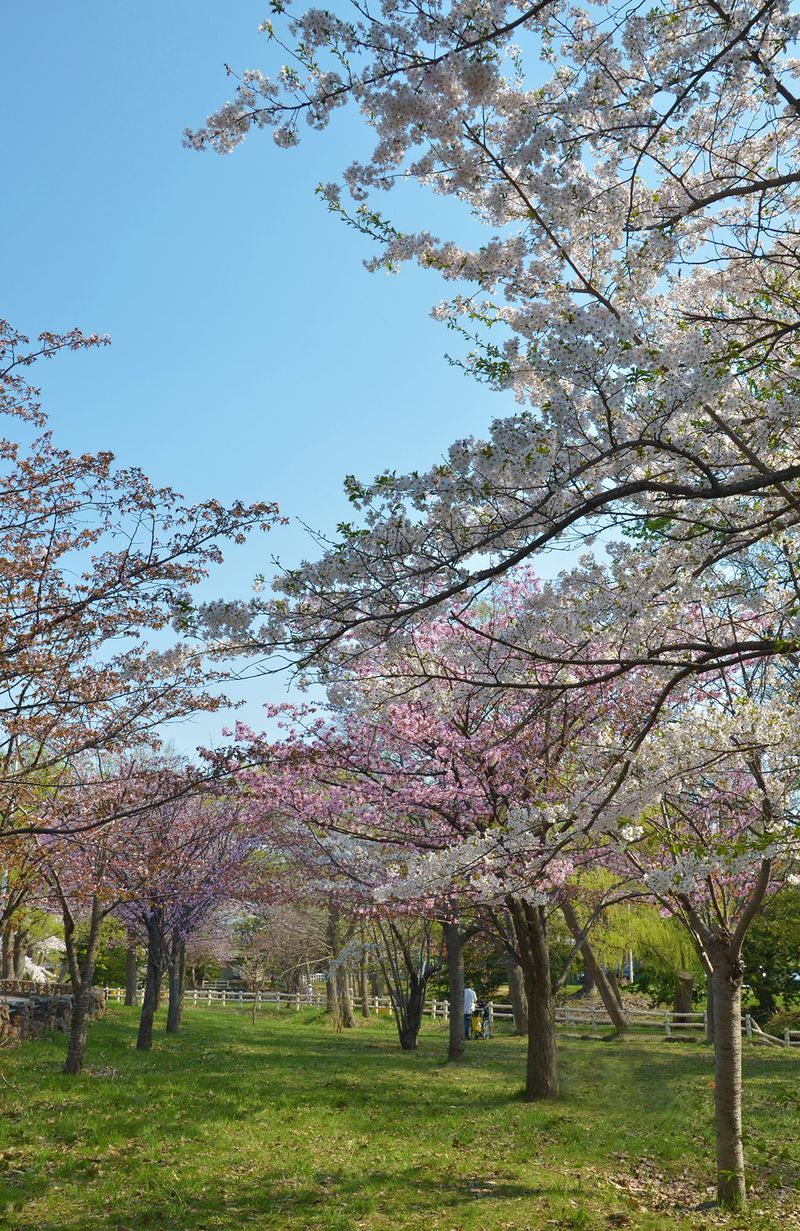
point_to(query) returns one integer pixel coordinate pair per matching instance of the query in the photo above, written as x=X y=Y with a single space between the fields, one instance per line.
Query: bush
x=782 y=1020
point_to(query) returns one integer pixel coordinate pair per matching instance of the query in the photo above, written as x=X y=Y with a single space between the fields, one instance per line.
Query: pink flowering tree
x=477 y=800
x=189 y=856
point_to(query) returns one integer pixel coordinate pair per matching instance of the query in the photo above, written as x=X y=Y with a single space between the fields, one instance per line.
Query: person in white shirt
x=470 y=1000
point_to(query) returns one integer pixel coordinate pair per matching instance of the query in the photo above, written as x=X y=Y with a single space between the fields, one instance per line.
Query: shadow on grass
x=335 y=1200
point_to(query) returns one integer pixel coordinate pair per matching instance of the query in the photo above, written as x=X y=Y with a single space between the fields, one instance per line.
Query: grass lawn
x=287 y=1125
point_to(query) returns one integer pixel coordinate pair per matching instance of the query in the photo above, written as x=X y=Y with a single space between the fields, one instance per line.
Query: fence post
x=194 y=996
x=748 y=1025
x=433 y=1010
x=297 y=1002
x=209 y=998
x=666 y=1024
x=787 y=1037
x=223 y=997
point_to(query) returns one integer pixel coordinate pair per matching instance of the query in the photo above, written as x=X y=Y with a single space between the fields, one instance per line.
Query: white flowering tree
x=716 y=793
x=624 y=188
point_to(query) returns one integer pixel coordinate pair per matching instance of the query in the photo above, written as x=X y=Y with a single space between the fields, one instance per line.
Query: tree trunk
x=684 y=990
x=530 y=926
x=454 y=942
x=332 y=998
x=18 y=951
x=364 y=977
x=727 y=985
x=82 y=978
x=332 y=1004
x=409 y=1020
x=709 y=1009
x=614 y=985
x=516 y=991
x=611 y=1003
x=176 y=972
x=152 y=985
x=131 y=974
x=345 y=998
x=5 y=953
x=76 y=1044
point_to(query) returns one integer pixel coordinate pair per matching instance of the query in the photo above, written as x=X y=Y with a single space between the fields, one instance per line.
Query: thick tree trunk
x=152 y=985
x=684 y=990
x=530 y=926
x=454 y=942
x=76 y=1044
x=611 y=1003
x=131 y=974
x=727 y=985
x=176 y=973
x=710 y=1033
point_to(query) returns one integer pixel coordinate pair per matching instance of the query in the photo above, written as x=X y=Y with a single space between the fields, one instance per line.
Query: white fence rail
x=566 y=1015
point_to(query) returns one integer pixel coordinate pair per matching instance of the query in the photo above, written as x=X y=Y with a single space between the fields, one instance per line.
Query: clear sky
x=252 y=355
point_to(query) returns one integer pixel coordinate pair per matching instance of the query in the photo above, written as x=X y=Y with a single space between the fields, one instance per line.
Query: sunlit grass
x=288 y=1125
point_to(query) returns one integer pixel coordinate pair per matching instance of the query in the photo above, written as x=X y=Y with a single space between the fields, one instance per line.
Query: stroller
x=481 y=1021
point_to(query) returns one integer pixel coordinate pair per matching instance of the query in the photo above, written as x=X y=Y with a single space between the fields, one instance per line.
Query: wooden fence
x=671 y=1024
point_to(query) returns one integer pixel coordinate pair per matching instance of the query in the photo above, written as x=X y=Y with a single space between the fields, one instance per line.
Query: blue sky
x=252 y=355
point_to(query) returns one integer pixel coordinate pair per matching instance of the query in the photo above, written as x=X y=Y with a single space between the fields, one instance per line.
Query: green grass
x=287 y=1125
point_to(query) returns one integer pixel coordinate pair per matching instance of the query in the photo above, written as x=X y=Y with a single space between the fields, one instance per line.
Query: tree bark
x=454 y=942
x=364 y=989
x=152 y=986
x=410 y=1021
x=516 y=991
x=611 y=1002
x=76 y=1044
x=710 y=1033
x=614 y=985
x=530 y=927
x=176 y=973
x=345 y=998
x=18 y=950
x=131 y=974
x=81 y=978
x=684 y=990
x=332 y=1000
x=727 y=984
x=5 y=953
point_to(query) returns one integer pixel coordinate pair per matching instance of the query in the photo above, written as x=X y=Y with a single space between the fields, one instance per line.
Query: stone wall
x=31 y=1015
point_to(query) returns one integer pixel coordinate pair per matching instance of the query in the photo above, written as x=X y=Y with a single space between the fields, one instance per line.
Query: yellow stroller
x=481 y=1021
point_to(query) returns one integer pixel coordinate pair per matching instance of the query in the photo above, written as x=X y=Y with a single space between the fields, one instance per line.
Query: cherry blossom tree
x=632 y=283
x=478 y=799
x=97 y=564
x=187 y=859
x=712 y=832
